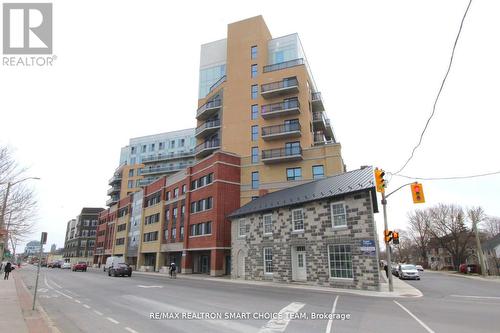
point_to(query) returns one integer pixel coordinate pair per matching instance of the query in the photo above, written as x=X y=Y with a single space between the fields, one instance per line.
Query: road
x=93 y=302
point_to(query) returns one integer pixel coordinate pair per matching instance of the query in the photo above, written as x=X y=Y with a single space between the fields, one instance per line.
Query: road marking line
x=415 y=317
x=112 y=320
x=330 y=321
x=77 y=301
x=45 y=281
x=485 y=297
x=58 y=286
x=141 y=286
x=130 y=330
x=97 y=312
x=86 y=306
x=57 y=291
x=283 y=319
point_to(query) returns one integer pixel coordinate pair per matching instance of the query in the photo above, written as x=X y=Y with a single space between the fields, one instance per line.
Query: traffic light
x=387 y=236
x=395 y=237
x=379 y=179
x=417 y=193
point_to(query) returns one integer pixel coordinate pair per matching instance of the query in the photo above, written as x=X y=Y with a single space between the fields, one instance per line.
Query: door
x=299 y=267
x=205 y=264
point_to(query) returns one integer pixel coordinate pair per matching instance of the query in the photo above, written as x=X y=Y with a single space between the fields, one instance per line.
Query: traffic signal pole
x=387 y=245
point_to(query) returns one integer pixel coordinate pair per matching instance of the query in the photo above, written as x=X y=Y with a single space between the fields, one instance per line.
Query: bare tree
x=405 y=249
x=419 y=223
x=491 y=226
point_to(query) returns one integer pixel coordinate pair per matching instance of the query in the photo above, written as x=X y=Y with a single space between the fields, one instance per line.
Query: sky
x=130 y=68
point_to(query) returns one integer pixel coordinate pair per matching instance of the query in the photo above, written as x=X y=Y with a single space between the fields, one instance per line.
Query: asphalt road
x=93 y=302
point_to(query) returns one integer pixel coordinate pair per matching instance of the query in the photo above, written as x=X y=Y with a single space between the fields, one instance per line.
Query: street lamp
x=3 y=237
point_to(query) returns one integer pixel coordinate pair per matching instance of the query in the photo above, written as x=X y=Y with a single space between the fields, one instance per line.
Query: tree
x=419 y=223
x=491 y=226
x=404 y=251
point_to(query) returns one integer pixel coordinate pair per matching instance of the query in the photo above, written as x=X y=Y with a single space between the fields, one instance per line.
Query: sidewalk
x=477 y=277
x=401 y=288
x=16 y=309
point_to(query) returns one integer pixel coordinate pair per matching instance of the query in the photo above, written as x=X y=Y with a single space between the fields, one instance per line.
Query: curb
x=475 y=277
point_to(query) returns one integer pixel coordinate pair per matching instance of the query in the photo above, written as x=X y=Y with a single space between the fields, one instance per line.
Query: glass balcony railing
x=290 y=106
x=286 y=83
x=283 y=65
x=281 y=130
x=217 y=83
x=162 y=157
x=209 y=108
x=163 y=169
x=207 y=146
x=317 y=102
x=213 y=124
x=282 y=154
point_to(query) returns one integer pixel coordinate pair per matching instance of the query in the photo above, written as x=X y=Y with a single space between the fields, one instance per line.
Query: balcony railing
x=171 y=156
x=217 y=83
x=115 y=178
x=206 y=147
x=317 y=102
x=209 y=108
x=111 y=201
x=281 y=131
x=207 y=127
x=145 y=182
x=288 y=107
x=114 y=189
x=282 y=154
x=283 y=65
x=285 y=86
x=164 y=169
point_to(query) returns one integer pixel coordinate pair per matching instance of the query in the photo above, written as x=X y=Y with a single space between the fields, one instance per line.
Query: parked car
x=407 y=271
x=394 y=269
x=66 y=265
x=470 y=268
x=420 y=268
x=120 y=269
x=113 y=260
x=80 y=266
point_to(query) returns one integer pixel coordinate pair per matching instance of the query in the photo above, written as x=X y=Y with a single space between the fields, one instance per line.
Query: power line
x=450 y=178
x=439 y=92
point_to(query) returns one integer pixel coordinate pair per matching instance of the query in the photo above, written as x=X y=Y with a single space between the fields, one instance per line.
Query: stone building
x=322 y=232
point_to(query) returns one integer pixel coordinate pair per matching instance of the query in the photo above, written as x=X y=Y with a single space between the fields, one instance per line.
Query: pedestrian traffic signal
x=379 y=180
x=387 y=236
x=417 y=193
x=395 y=237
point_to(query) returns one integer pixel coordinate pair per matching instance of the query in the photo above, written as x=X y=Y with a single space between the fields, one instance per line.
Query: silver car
x=406 y=271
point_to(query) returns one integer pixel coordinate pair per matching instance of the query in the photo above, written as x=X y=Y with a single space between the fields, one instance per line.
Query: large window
x=255 y=111
x=253 y=52
x=150 y=236
x=318 y=171
x=268 y=224
x=254 y=70
x=242 y=228
x=293 y=173
x=255 y=180
x=340 y=261
x=199 y=229
x=201 y=205
x=255 y=132
x=255 y=91
x=297 y=220
x=255 y=154
x=155 y=218
x=339 y=218
x=268 y=260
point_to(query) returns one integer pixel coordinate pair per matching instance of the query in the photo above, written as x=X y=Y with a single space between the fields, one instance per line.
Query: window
x=297 y=220
x=268 y=224
x=183 y=210
x=167 y=214
x=132 y=160
x=131 y=173
x=130 y=184
x=201 y=205
x=255 y=111
x=172 y=144
x=254 y=197
x=167 y=196
x=255 y=180
x=340 y=261
x=200 y=229
x=253 y=52
x=338 y=215
x=150 y=236
x=242 y=228
x=86 y=223
x=176 y=192
x=318 y=171
x=121 y=227
x=293 y=173
x=292 y=148
x=152 y=219
x=255 y=132
x=182 y=232
x=160 y=146
x=181 y=142
x=255 y=91
x=143 y=149
x=268 y=260
x=253 y=70
x=174 y=213
x=132 y=150
x=174 y=233
x=184 y=189
x=255 y=154
x=152 y=147
x=120 y=241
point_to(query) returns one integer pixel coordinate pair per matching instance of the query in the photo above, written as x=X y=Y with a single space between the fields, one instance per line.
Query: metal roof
x=338 y=185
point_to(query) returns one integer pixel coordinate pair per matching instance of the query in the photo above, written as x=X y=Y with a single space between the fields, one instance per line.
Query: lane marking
x=141 y=286
x=86 y=306
x=55 y=284
x=130 y=330
x=67 y=296
x=77 y=301
x=415 y=317
x=98 y=313
x=279 y=325
x=480 y=297
x=45 y=281
x=112 y=320
x=330 y=321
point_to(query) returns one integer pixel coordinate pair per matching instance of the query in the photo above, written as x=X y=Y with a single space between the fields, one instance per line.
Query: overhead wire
x=451 y=178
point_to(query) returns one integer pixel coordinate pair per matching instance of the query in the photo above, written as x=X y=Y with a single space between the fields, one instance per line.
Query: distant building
x=491 y=252
x=32 y=247
x=53 y=248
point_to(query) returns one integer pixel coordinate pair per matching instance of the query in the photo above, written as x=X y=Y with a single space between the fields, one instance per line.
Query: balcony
x=283 y=65
x=111 y=201
x=207 y=128
x=205 y=148
x=115 y=179
x=163 y=169
x=208 y=109
x=317 y=102
x=166 y=157
x=279 y=155
x=145 y=182
x=283 y=87
x=319 y=121
x=286 y=108
x=113 y=190
x=284 y=131
x=217 y=84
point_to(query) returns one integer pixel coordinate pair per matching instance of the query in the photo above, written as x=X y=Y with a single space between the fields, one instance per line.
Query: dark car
x=80 y=266
x=120 y=269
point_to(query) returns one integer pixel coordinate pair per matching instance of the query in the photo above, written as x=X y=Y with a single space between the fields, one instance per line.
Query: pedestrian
x=173 y=270
x=7 y=269
x=386 y=269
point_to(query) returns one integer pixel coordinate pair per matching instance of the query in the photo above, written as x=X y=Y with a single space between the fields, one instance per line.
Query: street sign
x=44 y=238
x=368 y=247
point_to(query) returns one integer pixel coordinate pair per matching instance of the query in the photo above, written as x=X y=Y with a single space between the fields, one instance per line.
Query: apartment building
x=81 y=236
x=105 y=238
x=258 y=99
x=184 y=217
x=148 y=158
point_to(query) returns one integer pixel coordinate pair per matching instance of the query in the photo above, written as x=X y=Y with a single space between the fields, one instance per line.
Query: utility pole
x=479 y=250
x=387 y=244
x=43 y=239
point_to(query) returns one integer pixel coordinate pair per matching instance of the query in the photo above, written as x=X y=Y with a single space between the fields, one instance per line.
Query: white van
x=113 y=260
